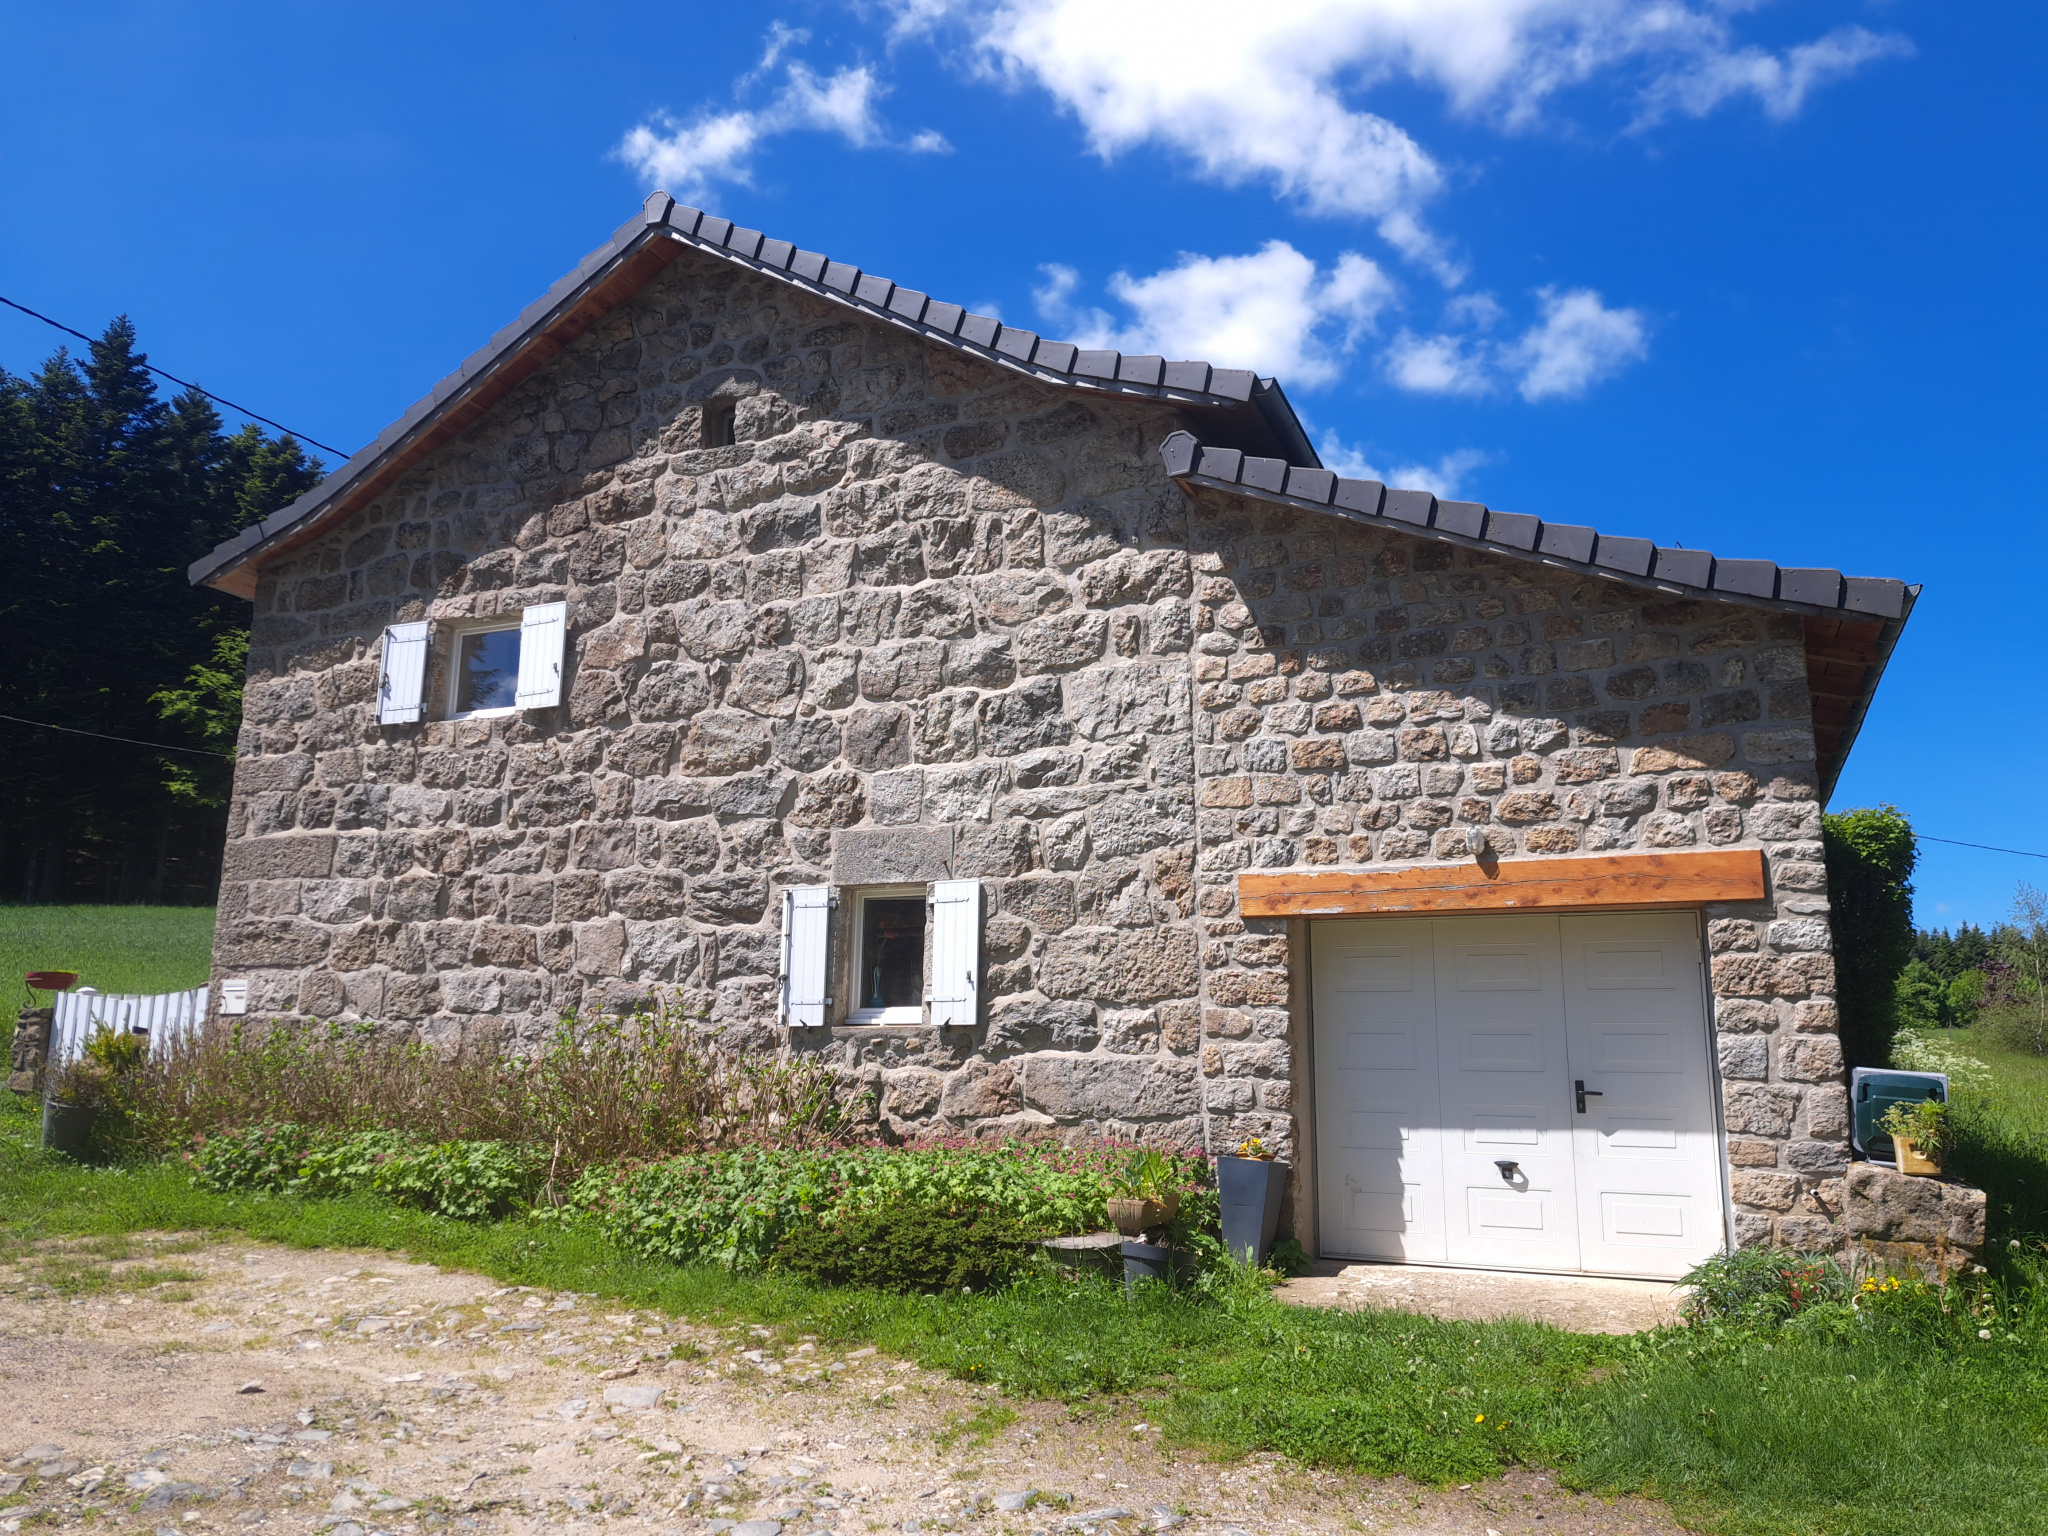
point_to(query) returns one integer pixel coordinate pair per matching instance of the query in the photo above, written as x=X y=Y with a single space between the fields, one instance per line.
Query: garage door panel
x=1648 y=1219
x=1496 y=1048
x=1649 y=1158
x=1534 y=1221
x=1381 y=1189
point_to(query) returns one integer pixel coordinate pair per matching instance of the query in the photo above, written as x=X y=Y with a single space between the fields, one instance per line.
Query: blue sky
x=1761 y=278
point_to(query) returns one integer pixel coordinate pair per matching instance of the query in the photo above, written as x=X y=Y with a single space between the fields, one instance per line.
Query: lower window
x=889 y=956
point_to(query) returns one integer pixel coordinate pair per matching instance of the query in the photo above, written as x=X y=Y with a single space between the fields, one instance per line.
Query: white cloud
x=1577 y=343
x=688 y=156
x=1273 y=310
x=1780 y=85
x=1268 y=92
x=1445 y=478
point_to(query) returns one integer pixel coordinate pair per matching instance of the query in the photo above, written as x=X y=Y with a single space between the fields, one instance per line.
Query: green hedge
x=1870 y=854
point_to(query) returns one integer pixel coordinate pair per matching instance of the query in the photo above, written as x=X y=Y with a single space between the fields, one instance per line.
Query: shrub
x=595 y=1092
x=468 y=1180
x=736 y=1208
x=1870 y=859
x=912 y=1248
x=1761 y=1286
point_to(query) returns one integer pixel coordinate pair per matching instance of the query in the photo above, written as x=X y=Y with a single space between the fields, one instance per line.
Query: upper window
x=486 y=671
x=889 y=956
x=718 y=423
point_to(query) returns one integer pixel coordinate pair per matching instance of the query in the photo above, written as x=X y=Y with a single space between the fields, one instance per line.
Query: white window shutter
x=542 y=631
x=402 y=676
x=956 y=953
x=806 y=923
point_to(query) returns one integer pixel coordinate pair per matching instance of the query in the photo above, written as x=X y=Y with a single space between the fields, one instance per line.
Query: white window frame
x=514 y=623
x=855 y=904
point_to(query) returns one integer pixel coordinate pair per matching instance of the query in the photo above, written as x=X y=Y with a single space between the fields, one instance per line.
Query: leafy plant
x=912 y=1248
x=1924 y=1122
x=1763 y=1286
x=467 y=1180
x=1147 y=1175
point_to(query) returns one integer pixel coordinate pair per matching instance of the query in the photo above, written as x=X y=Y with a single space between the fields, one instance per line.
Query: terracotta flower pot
x=1132 y=1216
x=1912 y=1160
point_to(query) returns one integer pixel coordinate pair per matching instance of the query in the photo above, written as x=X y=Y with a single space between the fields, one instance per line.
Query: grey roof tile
x=1517 y=530
x=1096 y=365
x=1234 y=383
x=1220 y=463
x=840 y=276
x=1265 y=474
x=944 y=318
x=1141 y=370
x=1820 y=587
x=684 y=219
x=1311 y=484
x=714 y=229
x=874 y=290
x=1012 y=342
x=1179 y=451
x=1409 y=507
x=979 y=329
x=1751 y=578
x=1461 y=517
x=1687 y=567
x=1568 y=541
x=809 y=266
x=746 y=242
x=909 y=303
x=1633 y=557
x=1359 y=496
x=775 y=255
x=1879 y=596
x=1187 y=375
x=1056 y=355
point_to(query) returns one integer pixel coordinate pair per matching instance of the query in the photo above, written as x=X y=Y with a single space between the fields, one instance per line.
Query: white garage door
x=1516 y=1092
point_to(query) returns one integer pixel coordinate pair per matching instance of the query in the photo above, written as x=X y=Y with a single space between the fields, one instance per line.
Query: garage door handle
x=1583 y=1091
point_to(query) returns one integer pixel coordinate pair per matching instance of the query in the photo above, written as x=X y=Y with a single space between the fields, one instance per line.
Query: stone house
x=1047 y=738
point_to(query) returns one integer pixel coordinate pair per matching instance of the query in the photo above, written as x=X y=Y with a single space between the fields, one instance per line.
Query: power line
x=1987 y=847
x=129 y=740
x=240 y=410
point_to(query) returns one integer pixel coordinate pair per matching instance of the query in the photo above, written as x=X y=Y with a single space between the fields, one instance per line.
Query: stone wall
x=1366 y=698
x=927 y=620
x=923 y=620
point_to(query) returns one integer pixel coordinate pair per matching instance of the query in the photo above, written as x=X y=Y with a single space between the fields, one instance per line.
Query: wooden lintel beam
x=1576 y=884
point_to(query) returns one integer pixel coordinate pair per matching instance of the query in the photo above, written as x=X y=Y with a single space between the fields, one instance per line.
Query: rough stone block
x=1083 y=1087
x=279 y=858
x=892 y=855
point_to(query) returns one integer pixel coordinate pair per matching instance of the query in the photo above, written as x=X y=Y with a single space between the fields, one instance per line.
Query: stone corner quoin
x=926 y=619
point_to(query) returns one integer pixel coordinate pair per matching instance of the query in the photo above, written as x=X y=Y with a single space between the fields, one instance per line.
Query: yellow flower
x=1478 y=1418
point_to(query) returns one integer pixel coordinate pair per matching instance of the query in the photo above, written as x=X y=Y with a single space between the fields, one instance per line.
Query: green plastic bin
x=1873 y=1090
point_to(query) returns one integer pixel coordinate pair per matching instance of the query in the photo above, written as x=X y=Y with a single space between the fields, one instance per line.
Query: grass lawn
x=114 y=949
x=1781 y=1435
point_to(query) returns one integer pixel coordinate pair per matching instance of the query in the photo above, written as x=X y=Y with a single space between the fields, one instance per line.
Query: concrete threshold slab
x=1578 y=1303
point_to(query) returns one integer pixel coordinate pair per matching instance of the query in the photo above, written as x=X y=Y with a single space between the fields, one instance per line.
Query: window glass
x=487 y=671
x=892 y=952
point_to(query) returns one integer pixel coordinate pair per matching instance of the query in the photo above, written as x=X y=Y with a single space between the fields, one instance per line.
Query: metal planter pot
x=67 y=1128
x=1152 y=1261
x=1250 y=1189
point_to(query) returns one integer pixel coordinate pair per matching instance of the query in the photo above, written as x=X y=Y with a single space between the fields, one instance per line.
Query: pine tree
x=107 y=494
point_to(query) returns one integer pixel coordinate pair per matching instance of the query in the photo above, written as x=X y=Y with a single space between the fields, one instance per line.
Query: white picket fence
x=163 y=1016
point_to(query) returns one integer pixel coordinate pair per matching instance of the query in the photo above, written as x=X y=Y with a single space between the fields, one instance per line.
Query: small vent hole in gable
x=717 y=429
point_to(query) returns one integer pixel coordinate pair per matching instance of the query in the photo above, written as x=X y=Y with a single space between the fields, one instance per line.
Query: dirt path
x=161 y=1386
